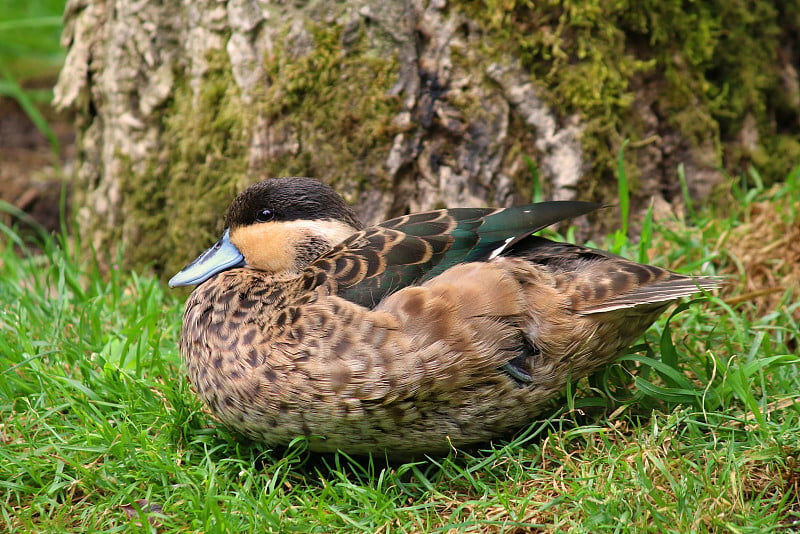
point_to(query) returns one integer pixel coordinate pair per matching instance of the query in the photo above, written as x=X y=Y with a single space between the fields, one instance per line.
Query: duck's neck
x=315 y=238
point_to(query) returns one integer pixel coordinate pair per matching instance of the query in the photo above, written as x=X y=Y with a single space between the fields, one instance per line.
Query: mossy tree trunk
x=406 y=105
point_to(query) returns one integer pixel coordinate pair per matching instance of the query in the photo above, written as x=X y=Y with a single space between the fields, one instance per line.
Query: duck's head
x=278 y=225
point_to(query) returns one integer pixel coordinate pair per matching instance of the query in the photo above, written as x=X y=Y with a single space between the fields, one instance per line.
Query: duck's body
x=426 y=332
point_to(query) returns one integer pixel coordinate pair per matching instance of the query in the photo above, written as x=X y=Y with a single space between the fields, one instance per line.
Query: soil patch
x=31 y=175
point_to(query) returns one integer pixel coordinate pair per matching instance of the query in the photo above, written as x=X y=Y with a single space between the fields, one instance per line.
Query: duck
x=425 y=333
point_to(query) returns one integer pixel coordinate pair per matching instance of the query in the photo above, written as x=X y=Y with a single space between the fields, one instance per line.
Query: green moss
x=777 y=155
x=335 y=103
x=720 y=60
x=712 y=62
x=202 y=162
x=335 y=133
x=577 y=53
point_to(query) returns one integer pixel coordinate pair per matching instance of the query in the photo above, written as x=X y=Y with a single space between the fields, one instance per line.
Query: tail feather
x=663 y=291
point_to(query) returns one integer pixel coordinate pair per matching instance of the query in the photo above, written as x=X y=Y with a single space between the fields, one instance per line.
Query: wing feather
x=411 y=249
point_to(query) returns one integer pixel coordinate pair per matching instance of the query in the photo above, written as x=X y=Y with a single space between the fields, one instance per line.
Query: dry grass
x=659 y=480
x=764 y=254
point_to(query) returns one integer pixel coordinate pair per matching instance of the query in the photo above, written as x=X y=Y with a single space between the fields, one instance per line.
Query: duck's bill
x=223 y=255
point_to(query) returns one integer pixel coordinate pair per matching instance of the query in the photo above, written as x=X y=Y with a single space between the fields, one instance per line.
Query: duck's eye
x=265 y=215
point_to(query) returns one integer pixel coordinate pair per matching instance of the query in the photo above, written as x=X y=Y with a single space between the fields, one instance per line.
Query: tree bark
x=403 y=105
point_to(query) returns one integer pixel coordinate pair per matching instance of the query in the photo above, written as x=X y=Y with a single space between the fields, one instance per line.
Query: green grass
x=30 y=51
x=696 y=430
x=30 y=38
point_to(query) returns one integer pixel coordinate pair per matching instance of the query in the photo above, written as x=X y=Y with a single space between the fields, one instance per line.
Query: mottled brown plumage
x=429 y=331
